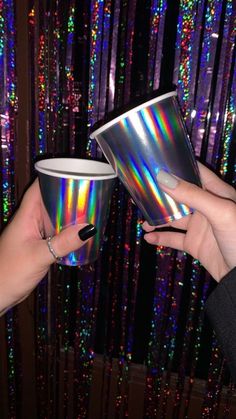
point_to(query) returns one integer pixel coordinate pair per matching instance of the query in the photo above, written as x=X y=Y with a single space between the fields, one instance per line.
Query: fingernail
x=87 y=232
x=166 y=179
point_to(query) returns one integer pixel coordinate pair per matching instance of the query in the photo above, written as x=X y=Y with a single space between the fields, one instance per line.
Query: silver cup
x=76 y=191
x=144 y=140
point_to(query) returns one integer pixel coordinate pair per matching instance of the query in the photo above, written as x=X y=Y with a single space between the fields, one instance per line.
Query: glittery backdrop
x=137 y=304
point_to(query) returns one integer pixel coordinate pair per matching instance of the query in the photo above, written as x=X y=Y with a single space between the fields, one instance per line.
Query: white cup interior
x=129 y=113
x=75 y=168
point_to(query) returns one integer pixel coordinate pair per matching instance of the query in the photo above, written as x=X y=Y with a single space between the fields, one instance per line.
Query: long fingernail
x=166 y=179
x=87 y=232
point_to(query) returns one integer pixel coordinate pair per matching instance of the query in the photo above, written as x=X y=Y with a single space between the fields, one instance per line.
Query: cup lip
x=128 y=113
x=106 y=171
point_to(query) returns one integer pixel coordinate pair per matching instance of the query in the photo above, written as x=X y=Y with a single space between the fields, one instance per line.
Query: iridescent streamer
x=11 y=78
x=2 y=54
x=184 y=73
x=188 y=42
x=157 y=23
x=42 y=81
x=174 y=296
x=38 y=144
x=217 y=113
x=70 y=39
x=122 y=97
x=228 y=400
x=52 y=74
x=9 y=102
x=190 y=84
x=105 y=52
x=134 y=285
x=114 y=42
x=123 y=368
x=111 y=302
x=122 y=93
x=97 y=10
x=124 y=60
x=8 y=108
x=129 y=48
x=207 y=59
x=41 y=348
x=121 y=55
x=11 y=381
x=64 y=331
x=158 y=346
x=71 y=90
x=117 y=273
x=191 y=335
x=233 y=95
x=39 y=19
x=214 y=382
x=185 y=57
x=114 y=223
x=128 y=309
x=32 y=43
x=84 y=353
x=229 y=120
x=40 y=331
x=184 y=62
x=200 y=296
x=128 y=36
x=54 y=87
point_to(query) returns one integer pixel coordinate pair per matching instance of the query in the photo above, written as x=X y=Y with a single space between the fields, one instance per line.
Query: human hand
x=209 y=234
x=24 y=255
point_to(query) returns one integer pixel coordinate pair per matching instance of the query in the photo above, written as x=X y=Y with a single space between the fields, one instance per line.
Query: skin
x=209 y=234
x=24 y=255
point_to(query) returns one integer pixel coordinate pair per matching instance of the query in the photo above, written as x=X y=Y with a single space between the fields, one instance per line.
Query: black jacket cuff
x=221 y=311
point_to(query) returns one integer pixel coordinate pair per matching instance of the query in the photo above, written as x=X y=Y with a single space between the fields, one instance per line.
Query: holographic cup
x=76 y=191
x=144 y=140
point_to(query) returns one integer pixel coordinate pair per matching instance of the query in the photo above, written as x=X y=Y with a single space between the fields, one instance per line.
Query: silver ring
x=51 y=250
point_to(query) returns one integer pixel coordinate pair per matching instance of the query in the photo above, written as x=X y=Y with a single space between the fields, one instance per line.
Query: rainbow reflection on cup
x=144 y=140
x=76 y=191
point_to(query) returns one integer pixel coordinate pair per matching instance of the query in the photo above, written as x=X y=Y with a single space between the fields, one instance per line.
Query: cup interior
x=75 y=168
x=129 y=113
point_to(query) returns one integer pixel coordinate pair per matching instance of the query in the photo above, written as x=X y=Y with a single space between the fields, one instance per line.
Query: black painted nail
x=87 y=232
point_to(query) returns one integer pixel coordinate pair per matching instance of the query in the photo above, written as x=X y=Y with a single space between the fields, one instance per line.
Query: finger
x=181 y=224
x=32 y=196
x=168 y=239
x=214 y=184
x=147 y=227
x=68 y=240
x=31 y=208
x=211 y=206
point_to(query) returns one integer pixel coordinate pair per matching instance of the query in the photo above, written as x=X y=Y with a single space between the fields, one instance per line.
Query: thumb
x=68 y=240
x=208 y=204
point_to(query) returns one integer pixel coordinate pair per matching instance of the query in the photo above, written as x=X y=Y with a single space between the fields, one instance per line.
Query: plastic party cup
x=76 y=191
x=144 y=140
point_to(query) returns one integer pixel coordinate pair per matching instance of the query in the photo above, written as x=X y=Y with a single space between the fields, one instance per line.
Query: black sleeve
x=221 y=311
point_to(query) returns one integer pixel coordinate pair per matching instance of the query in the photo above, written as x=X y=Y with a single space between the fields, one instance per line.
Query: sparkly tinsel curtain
x=137 y=306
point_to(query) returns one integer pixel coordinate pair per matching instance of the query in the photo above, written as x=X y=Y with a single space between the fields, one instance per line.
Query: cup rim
x=128 y=113
x=91 y=169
